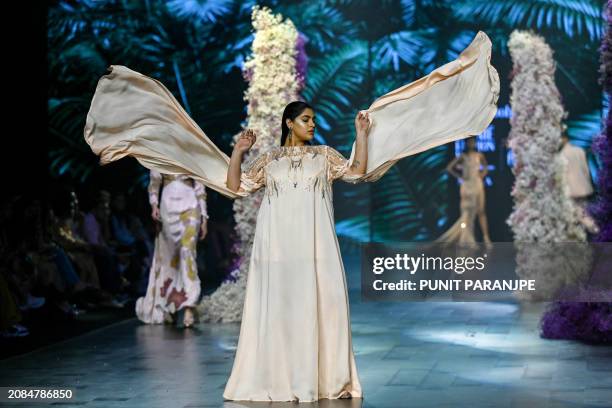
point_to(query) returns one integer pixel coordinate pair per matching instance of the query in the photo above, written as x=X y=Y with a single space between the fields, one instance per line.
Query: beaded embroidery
x=334 y=167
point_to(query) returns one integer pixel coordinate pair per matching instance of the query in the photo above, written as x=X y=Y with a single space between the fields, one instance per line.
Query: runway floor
x=408 y=355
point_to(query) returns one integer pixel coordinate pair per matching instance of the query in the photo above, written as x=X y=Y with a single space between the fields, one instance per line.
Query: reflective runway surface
x=408 y=355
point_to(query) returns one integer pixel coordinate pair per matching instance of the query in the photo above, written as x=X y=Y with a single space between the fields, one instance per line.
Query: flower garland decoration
x=273 y=82
x=543 y=213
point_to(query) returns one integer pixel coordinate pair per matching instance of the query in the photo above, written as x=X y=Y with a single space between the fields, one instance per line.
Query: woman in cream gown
x=174 y=284
x=473 y=167
x=295 y=338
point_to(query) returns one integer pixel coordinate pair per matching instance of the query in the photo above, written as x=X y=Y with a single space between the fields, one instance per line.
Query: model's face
x=303 y=126
x=471 y=144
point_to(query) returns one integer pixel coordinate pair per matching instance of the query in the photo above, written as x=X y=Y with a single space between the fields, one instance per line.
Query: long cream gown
x=295 y=338
x=472 y=202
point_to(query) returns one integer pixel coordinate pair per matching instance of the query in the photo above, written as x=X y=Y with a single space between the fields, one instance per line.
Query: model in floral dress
x=174 y=284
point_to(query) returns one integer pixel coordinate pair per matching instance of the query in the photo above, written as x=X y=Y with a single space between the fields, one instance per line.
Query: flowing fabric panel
x=134 y=115
x=456 y=100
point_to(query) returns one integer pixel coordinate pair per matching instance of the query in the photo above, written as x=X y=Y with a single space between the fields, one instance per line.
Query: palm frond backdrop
x=357 y=50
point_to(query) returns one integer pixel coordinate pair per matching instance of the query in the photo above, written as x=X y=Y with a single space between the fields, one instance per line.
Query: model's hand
x=246 y=141
x=362 y=123
x=203 y=229
x=155 y=213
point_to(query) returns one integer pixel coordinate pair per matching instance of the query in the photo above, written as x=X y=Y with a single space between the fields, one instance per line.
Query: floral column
x=273 y=82
x=543 y=214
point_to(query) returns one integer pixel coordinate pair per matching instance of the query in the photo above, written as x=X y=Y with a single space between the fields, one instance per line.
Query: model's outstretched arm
x=360 y=161
x=247 y=139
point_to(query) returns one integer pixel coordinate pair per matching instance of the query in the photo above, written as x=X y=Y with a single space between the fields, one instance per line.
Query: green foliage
x=570 y=17
x=357 y=50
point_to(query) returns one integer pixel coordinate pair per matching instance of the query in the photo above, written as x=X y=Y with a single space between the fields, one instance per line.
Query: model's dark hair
x=465 y=146
x=292 y=111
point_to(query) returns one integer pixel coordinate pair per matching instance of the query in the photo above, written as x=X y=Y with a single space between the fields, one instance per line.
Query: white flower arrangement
x=273 y=83
x=543 y=213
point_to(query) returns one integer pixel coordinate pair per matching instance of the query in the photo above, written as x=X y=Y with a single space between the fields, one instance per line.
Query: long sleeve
x=338 y=166
x=200 y=191
x=253 y=178
x=155 y=181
